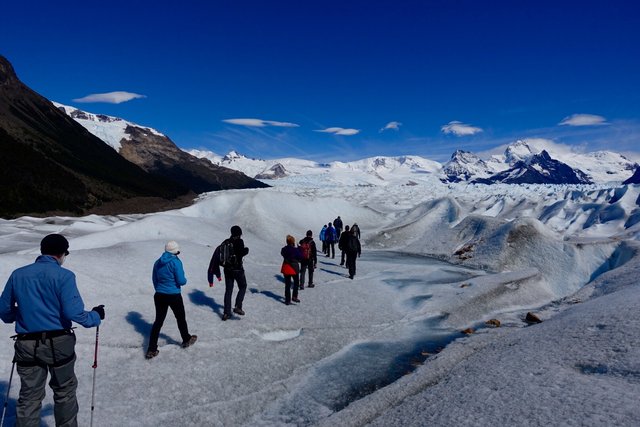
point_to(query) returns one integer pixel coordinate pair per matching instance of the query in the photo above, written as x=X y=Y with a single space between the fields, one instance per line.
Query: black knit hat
x=236 y=231
x=54 y=244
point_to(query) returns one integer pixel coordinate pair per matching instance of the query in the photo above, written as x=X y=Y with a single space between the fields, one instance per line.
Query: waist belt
x=44 y=335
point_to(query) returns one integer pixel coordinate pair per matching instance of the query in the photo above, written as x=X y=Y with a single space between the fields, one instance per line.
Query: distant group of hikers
x=298 y=260
x=43 y=300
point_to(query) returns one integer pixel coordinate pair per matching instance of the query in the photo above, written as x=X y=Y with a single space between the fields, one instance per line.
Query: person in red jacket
x=290 y=269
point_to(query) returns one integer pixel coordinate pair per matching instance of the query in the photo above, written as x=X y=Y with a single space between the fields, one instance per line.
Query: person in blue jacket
x=168 y=277
x=43 y=300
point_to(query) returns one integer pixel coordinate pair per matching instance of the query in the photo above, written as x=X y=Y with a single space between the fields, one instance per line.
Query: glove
x=100 y=310
x=219 y=278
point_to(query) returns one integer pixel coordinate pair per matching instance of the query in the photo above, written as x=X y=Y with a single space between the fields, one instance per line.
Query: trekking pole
x=95 y=365
x=6 y=399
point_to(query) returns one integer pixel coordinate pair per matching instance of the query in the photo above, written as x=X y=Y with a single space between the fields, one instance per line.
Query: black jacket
x=214 y=265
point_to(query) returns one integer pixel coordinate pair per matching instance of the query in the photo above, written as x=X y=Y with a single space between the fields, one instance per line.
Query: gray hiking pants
x=35 y=358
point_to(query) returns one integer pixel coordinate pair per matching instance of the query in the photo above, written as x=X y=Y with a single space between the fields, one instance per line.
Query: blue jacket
x=168 y=274
x=330 y=236
x=43 y=296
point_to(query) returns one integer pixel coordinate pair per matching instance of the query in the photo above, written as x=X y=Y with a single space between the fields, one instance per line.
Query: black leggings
x=163 y=302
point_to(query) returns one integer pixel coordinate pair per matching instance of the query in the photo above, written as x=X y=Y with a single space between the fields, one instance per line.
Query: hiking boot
x=226 y=316
x=191 y=341
x=295 y=300
x=351 y=276
x=151 y=354
x=301 y=287
x=238 y=311
x=311 y=285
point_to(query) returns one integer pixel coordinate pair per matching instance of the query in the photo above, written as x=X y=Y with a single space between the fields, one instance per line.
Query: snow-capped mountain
x=514 y=165
x=158 y=154
x=465 y=166
x=538 y=169
x=600 y=166
x=253 y=167
x=277 y=168
x=112 y=130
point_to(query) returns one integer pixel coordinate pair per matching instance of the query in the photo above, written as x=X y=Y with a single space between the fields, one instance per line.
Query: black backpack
x=227 y=254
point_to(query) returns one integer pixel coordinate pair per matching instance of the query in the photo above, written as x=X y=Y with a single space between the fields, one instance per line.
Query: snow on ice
x=385 y=348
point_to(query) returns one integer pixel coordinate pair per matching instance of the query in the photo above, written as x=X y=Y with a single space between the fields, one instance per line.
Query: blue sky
x=336 y=80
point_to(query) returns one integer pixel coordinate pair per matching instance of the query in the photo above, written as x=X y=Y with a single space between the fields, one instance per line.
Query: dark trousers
x=287 y=287
x=305 y=265
x=331 y=249
x=229 y=277
x=342 y=258
x=324 y=247
x=163 y=302
x=36 y=358
x=351 y=262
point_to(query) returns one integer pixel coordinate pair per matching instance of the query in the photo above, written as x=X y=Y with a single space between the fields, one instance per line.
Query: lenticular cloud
x=460 y=129
x=260 y=123
x=583 y=120
x=117 y=97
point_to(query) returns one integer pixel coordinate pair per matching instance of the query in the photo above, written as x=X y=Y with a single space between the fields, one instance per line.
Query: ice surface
x=384 y=348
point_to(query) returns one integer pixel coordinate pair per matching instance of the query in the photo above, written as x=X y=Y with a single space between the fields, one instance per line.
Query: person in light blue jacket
x=43 y=300
x=168 y=277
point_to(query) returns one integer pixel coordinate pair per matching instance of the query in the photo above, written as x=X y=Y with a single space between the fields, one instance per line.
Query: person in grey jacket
x=43 y=299
x=168 y=277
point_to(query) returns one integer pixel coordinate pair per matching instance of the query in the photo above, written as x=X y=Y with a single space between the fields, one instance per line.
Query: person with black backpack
x=229 y=255
x=337 y=224
x=342 y=242
x=309 y=258
x=353 y=249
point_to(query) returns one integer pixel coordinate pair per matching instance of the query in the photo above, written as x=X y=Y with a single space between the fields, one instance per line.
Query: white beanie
x=172 y=247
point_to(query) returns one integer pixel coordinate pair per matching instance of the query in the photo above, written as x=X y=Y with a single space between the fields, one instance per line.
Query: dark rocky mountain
x=538 y=169
x=50 y=164
x=276 y=171
x=635 y=178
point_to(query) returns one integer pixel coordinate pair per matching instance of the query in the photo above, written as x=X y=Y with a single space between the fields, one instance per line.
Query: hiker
x=337 y=224
x=331 y=239
x=43 y=299
x=168 y=277
x=233 y=270
x=290 y=269
x=322 y=236
x=356 y=230
x=309 y=258
x=342 y=243
x=353 y=249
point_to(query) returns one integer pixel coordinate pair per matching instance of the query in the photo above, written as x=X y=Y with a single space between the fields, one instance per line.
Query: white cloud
x=391 y=125
x=339 y=131
x=583 y=120
x=117 y=97
x=460 y=129
x=260 y=123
